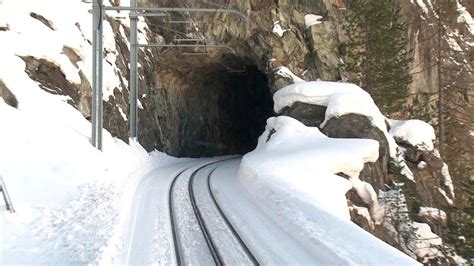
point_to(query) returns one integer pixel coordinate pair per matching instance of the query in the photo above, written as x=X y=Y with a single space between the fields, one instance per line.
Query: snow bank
x=292 y=177
x=416 y=132
x=68 y=196
x=304 y=162
x=65 y=192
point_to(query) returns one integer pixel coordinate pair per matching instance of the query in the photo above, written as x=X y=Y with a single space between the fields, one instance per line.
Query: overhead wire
x=170 y=29
x=217 y=6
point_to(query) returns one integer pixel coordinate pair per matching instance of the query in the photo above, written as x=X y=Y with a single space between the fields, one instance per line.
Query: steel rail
x=229 y=225
x=179 y=260
x=211 y=245
x=173 y=224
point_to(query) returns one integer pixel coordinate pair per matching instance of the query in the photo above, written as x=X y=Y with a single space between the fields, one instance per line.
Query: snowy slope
x=68 y=196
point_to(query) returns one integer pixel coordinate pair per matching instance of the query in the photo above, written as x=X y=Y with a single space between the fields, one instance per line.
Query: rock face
x=359 y=126
x=7 y=95
x=52 y=80
x=347 y=126
x=309 y=115
x=192 y=81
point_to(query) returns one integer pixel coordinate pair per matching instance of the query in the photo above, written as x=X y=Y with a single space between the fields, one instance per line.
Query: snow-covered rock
x=415 y=132
x=340 y=99
x=278 y=29
x=433 y=214
x=312 y=19
x=305 y=159
x=286 y=73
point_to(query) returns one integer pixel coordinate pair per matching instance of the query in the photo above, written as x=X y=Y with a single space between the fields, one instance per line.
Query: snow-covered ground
x=69 y=198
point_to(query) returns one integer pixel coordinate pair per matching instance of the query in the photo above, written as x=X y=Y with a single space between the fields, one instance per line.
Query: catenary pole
x=97 y=55
x=133 y=71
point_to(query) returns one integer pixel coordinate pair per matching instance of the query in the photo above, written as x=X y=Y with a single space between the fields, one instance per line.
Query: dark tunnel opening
x=247 y=102
x=229 y=103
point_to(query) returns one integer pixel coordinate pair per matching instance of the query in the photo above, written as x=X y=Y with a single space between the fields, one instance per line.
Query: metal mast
x=97 y=55
x=133 y=71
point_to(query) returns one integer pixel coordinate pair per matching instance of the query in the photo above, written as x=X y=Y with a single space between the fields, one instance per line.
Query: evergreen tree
x=377 y=57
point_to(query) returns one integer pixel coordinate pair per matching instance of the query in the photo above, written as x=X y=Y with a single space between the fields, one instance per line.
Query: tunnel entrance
x=228 y=102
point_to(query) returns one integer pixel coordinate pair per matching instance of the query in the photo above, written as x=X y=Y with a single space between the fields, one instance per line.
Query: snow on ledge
x=465 y=16
x=277 y=29
x=286 y=73
x=416 y=132
x=312 y=19
x=434 y=213
x=422 y=5
x=339 y=98
x=307 y=162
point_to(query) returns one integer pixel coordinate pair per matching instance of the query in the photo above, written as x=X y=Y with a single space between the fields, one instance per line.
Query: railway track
x=201 y=231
